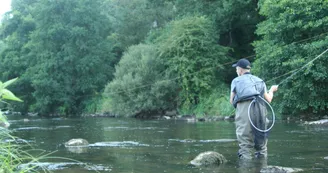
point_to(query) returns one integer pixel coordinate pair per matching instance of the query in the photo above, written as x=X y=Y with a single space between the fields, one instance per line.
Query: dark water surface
x=153 y=146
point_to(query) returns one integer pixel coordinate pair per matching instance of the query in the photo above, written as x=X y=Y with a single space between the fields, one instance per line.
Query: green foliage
x=215 y=103
x=64 y=52
x=5 y=94
x=11 y=155
x=190 y=50
x=235 y=20
x=72 y=55
x=141 y=84
x=291 y=37
x=133 y=19
x=15 y=30
x=93 y=105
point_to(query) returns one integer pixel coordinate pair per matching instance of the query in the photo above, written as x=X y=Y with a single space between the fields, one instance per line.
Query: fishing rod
x=289 y=77
x=298 y=70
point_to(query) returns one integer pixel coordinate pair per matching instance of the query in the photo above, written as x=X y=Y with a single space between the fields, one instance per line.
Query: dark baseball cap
x=243 y=63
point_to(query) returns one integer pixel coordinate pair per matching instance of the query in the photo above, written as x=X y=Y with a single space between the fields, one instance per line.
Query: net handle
x=273 y=116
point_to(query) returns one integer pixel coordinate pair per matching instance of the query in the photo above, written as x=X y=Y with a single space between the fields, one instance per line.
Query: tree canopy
x=138 y=56
x=293 y=34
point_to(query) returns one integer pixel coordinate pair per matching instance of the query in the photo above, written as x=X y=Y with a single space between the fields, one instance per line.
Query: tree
x=290 y=38
x=14 y=32
x=72 y=54
x=190 y=49
x=141 y=85
x=234 y=19
x=133 y=19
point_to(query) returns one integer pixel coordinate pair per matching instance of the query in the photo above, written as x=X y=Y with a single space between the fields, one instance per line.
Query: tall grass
x=13 y=154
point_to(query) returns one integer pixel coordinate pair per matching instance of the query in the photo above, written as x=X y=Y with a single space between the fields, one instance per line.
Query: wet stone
x=208 y=158
x=279 y=169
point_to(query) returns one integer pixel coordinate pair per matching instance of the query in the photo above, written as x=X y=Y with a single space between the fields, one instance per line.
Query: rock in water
x=208 y=158
x=319 y=122
x=279 y=169
x=79 y=142
x=77 y=145
x=4 y=124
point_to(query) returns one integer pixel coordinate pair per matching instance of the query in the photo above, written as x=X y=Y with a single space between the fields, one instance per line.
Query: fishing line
x=176 y=78
x=227 y=63
x=303 y=67
x=295 y=71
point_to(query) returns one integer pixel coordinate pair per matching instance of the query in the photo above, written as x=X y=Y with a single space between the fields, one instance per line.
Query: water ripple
x=40 y=128
x=118 y=144
x=65 y=165
x=202 y=141
x=135 y=128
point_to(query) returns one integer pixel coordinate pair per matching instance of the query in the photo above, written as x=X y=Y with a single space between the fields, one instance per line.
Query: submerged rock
x=77 y=150
x=4 y=124
x=319 y=122
x=208 y=158
x=78 y=145
x=79 y=142
x=279 y=169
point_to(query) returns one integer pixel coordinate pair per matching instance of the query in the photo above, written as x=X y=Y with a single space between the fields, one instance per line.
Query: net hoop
x=273 y=116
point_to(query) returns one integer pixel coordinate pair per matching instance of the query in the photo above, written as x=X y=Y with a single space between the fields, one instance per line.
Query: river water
x=152 y=146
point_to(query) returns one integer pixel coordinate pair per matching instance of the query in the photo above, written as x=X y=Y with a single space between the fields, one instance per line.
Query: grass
x=12 y=154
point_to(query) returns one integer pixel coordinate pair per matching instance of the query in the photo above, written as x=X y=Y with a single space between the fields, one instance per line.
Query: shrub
x=141 y=84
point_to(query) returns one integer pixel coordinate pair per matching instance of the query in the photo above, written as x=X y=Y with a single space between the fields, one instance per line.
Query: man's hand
x=269 y=95
x=273 y=88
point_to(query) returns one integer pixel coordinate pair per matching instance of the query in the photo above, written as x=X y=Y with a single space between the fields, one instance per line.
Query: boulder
x=319 y=122
x=208 y=158
x=77 y=150
x=79 y=142
x=279 y=169
x=4 y=124
x=171 y=113
x=77 y=145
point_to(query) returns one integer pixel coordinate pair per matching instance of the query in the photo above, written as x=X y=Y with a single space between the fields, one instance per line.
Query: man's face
x=238 y=71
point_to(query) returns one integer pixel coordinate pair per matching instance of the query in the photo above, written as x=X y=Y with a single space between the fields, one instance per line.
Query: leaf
x=6 y=94
x=7 y=83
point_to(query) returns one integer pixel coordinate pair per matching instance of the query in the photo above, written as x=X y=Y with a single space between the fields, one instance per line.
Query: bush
x=141 y=84
x=190 y=49
x=214 y=104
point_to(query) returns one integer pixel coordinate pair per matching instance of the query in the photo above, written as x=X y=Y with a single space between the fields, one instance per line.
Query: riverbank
x=189 y=118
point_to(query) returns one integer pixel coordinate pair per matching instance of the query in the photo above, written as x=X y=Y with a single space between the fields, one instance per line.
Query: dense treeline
x=293 y=34
x=138 y=57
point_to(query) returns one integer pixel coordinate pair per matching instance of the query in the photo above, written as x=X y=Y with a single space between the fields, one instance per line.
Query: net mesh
x=261 y=116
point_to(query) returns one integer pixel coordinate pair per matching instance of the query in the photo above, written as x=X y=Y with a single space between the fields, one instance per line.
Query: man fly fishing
x=247 y=93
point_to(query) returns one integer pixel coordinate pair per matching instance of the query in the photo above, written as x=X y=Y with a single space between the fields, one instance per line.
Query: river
x=146 y=146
